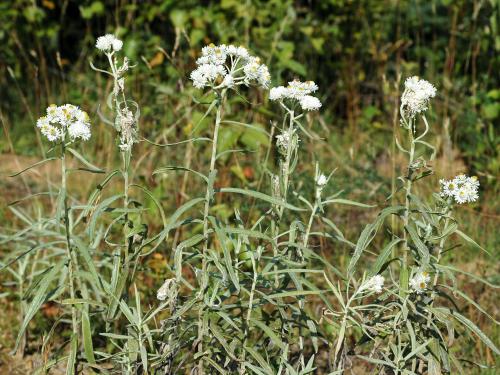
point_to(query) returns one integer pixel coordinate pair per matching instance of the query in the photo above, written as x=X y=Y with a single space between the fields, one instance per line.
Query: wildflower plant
x=55 y=238
x=233 y=297
x=244 y=271
x=408 y=326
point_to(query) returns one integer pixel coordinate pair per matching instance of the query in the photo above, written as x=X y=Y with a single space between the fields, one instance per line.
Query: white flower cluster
x=462 y=188
x=108 y=43
x=321 y=180
x=62 y=120
x=228 y=66
x=420 y=281
x=166 y=290
x=287 y=142
x=282 y=142
x=417 y=94
x=373 y=284
x=298 y=91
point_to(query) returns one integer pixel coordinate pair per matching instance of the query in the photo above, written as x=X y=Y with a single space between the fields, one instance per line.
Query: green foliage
x=249 y=252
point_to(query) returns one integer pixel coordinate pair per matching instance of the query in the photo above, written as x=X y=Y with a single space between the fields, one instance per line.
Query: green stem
x=436 y=276
x=309 y=224
x=208 y=198
x=249 y=315
x=69 y=252
x=286 y=167
x=406 y=218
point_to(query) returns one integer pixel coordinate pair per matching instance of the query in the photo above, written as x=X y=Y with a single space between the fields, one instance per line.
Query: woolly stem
x=208 y=198
x=69 y=252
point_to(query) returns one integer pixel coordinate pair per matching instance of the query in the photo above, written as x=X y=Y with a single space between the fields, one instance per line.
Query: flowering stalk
x=208 y=198
x=125 y=123
x=321 y=180
x=406 y=216
x=220 y=68
x=62 y=123
x=285 y=168
x=249 y=312
x=374 y=284
x=67 y=233
x=295 y=95
x=414 y=100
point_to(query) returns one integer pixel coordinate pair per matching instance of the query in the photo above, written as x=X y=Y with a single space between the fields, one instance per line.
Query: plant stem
x=409 y=182
x=69 y=252
x=208 y=198
x=436 y=276
x=309 y=225
x=286 y=169
x=249 y=314
x=126 y=164
x=406 y=218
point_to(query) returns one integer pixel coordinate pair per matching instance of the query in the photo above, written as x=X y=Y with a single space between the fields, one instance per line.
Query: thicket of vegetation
x=209 y=211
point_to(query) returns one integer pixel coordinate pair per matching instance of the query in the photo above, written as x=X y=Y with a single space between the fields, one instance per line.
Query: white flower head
x=462 y=189
x=298 y=89
x=416 y=96
x=299 y=92
x=278 y=93
x=321 y=180
x=79 y=130
x=62 y=120
x=255 y=71
x=237 y=52
x=228 y=81
x=282 y=142
x=166 y=290
x=213 y=54
x=52 y=133
x=117 y=45
x=235 y=65
x=448 y=188
x=420 y=282
x=207 y=74
x=309 y=103
x=108 y=43
x=373 y=284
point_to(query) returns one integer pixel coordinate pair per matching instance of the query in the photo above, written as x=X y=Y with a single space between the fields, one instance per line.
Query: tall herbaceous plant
x=246 y=310
x=405 y=305
x=241 y=291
